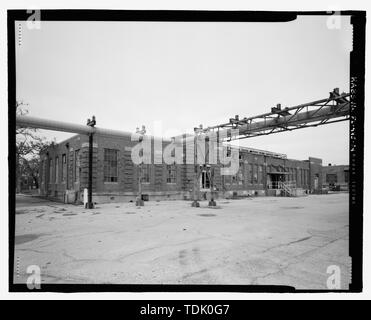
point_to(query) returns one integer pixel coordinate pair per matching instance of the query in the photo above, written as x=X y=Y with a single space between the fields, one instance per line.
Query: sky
x=184 y=74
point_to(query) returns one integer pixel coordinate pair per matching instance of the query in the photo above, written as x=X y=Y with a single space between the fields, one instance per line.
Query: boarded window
x=170 y=174
x=110 y=165
x=56 y=170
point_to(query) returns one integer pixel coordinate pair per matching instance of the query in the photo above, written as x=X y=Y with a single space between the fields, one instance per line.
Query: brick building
x=64 y=173
x=336 y=177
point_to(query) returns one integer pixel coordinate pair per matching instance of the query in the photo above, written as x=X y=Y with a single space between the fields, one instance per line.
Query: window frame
x=108 y=161
x=56 y=175
x=171 y=174
x=64 y=168
x=77 y=165
x=146 y=173
x=50 y=170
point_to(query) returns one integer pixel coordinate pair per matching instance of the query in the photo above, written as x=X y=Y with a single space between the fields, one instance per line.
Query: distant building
x=64 y=173
x=336 y=177
x=27 y=183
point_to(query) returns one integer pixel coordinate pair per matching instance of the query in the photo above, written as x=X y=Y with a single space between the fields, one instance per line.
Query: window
x=298 y=176
x=64 y=167
x=145 y=173
x=110 y=165
x=302 y=177
x=50 y=170
x=307 y=177
x=239 y=175
x=56 y=169
x=255 y=174
x=227 y=179
x=43 y=173
x=260 y=175
x=229 y=151
x=170 y=174
x=77 y=166
x=249 y=173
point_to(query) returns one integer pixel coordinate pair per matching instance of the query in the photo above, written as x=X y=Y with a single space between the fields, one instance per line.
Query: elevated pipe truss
x=333 y=109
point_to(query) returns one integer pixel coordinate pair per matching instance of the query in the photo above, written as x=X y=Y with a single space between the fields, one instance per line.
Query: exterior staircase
x=289 y=189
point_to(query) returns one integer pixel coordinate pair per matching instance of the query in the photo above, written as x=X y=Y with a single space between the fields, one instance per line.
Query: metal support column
x=212 y=202
x=196 y=181
x=90 y=204
x=139 y=202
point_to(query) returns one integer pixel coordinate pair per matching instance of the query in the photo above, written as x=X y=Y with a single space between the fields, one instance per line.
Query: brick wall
x=340 y=172
x=315 y=167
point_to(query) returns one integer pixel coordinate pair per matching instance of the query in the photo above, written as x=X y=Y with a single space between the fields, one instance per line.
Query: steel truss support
x=311 y=114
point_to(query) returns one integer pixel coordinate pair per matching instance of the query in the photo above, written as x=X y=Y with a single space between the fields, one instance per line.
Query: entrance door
x=316 y=182
x=275 y=179
x=205 y=180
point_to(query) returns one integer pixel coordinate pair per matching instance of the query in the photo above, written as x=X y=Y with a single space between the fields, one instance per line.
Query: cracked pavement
x=261 y=241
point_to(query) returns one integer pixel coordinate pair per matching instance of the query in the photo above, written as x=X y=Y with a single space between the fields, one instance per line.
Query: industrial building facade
x=64 y=173
x=336 y=177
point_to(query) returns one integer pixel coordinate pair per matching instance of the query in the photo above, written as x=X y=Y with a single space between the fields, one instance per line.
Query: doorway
x=274 y=180
x=205 y=180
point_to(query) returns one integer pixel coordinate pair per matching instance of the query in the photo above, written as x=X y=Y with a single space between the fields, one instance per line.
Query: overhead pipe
x=47 y=124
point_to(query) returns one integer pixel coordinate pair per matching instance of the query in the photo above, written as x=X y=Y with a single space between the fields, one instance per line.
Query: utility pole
x=90 y=204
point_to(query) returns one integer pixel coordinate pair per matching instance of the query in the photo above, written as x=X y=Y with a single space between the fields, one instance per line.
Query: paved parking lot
x=28 y=200
x=262 y=240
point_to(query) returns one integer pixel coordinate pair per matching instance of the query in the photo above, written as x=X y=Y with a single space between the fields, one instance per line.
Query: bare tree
x=28 y=146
